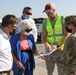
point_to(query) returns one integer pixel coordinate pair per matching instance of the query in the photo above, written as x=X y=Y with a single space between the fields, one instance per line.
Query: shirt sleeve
x=63 y=23
x=0 y=43
x=70 y=50
x=34 y=31
x=13 y=44
x=44 y=25
x=34 y=44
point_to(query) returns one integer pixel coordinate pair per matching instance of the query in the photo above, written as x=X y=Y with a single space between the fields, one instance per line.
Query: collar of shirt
x=4 y=34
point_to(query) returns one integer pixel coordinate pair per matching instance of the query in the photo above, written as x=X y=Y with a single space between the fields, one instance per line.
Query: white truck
x=38 y=22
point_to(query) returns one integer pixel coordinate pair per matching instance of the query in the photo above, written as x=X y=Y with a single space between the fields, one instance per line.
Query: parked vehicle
x=38 y=22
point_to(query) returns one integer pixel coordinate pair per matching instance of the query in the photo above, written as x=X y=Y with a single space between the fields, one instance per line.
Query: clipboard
x=47 y=53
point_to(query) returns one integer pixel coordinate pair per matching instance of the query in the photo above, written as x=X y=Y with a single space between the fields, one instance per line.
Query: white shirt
x=34 y=31
x=6 y=59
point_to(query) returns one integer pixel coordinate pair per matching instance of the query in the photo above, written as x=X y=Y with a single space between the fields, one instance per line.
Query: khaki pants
x=53 y=67
x=8 y=73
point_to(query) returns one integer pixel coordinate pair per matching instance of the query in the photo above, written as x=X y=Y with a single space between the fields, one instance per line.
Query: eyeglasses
x=28 y=30
x=28 y=13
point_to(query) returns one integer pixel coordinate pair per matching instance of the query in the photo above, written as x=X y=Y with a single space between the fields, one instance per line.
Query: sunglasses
x=49 y=12
x=28 y=30
x=28 y=13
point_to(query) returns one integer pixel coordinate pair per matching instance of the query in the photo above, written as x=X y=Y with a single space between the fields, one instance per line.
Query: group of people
x=18 y=37
x=59 y=33
x=18 y=44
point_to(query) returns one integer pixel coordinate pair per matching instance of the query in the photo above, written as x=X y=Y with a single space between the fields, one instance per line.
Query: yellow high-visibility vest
x=54 y=35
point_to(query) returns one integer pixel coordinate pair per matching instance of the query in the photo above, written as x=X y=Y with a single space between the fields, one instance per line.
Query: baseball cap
x=49 y=6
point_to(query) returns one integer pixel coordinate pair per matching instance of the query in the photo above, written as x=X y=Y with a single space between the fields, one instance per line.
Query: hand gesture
x=54 y=47
x=47 y=46
x=20 y=65
x=44 y=57
x=58 y=48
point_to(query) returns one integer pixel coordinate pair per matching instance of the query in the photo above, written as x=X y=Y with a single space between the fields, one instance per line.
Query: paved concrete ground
x=40 y=67
x=40 y=64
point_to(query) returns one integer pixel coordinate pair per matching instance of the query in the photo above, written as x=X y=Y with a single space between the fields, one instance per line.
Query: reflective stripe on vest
x=54 y=35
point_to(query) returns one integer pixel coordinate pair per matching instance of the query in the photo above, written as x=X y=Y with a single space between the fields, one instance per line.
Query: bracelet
x=58 y=45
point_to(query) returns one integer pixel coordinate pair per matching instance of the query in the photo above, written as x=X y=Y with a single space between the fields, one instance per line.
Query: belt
x=5 y=71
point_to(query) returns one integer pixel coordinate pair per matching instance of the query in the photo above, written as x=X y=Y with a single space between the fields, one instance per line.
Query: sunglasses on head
x=28 y=13
x=28 y=30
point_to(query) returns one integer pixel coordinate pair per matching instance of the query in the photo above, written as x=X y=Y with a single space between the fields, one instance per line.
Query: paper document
x=47 y=53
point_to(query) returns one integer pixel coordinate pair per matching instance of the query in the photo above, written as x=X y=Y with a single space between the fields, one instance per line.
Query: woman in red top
x=23 y=47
